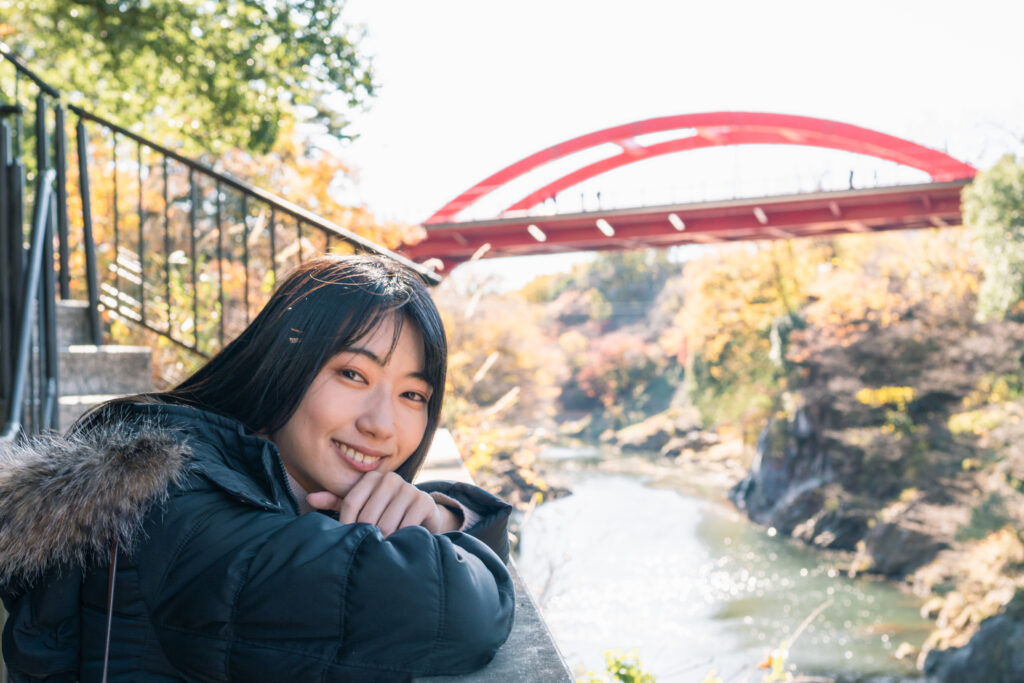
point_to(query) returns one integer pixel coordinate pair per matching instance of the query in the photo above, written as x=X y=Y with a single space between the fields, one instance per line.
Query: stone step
x=106 y=370
x=72 y=323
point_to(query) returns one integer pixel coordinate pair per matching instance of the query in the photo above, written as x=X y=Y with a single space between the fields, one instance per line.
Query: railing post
x=245 y=255
x=7 y=290
x=142 y=241
x=91 y=276
x=167 y=248
x=16 y=226
x=193 y=208
x=23 y=353
x=48 y=324
x=42 y=155
x=60 y=151
x=220 y=268
x=117 y=229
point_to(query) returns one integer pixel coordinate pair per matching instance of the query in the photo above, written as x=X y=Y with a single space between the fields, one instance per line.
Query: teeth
x=356 y=455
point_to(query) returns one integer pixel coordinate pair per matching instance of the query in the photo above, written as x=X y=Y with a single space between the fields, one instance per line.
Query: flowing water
x=692 y=585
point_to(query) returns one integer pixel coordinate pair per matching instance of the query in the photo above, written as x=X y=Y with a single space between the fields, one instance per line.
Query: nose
x=376 y=417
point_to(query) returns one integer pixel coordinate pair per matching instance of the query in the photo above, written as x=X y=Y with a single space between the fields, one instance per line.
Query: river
x=692 y=585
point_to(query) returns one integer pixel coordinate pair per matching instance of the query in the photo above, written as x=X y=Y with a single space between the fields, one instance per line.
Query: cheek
x=413 y=431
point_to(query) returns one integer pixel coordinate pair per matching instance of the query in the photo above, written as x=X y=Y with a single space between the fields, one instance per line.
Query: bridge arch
x=707 y=130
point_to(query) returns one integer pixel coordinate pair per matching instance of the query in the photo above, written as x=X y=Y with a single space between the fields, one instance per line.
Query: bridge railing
x=696 y=186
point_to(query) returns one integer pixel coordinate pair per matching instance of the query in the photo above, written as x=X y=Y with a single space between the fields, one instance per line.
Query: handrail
x=197 y=232
x=7 y=53
x=281 y=203
x=43 y=206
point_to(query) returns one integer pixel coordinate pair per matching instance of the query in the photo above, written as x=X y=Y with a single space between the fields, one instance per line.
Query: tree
x=617 y=287
x=740 y=302
x=222 y=73
x=994 y=211
x=308 y=174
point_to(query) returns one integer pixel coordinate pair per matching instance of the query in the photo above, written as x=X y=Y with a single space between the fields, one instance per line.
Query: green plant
x=994 y=212
x=220 y=73
x=623 y=667
x=895 y=401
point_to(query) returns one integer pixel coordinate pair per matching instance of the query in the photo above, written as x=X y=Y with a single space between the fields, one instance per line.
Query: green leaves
x=220 y=73
x=993 y=207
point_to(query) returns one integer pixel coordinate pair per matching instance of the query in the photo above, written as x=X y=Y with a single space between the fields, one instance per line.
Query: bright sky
x=470 y=86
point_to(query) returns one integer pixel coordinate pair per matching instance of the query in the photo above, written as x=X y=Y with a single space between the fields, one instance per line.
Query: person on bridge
x=257 y=522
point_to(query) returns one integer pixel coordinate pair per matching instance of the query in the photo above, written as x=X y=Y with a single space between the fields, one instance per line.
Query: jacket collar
x=66 y=499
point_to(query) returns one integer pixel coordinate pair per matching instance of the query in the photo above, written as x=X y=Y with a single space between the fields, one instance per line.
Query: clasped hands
x=388 y=502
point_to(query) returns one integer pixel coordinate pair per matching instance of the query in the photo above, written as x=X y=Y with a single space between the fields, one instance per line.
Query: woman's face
x=365 y=410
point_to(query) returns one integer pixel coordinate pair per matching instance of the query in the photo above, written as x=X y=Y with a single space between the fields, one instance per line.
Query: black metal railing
x=160 y=241
x=28 y=342
x=32 y=403
x=191 y=253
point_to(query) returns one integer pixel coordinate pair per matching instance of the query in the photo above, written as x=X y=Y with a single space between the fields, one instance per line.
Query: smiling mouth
x=360 y=460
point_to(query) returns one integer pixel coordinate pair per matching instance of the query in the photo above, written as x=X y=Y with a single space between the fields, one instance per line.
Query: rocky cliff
x=904 y=450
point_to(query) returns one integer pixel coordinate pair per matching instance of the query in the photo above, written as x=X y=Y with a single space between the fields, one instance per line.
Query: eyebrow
x=382 y=362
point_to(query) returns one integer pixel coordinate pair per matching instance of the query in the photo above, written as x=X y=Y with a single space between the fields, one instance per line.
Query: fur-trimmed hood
x=64 y=500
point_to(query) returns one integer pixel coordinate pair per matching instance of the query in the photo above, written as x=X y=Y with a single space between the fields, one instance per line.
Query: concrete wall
x=530 y=653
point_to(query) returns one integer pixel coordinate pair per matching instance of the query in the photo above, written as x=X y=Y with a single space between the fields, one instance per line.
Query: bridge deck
x=903 y=207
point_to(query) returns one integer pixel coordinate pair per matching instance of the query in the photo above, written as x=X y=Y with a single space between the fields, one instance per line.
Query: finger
x=423 y=512
x=323 y=500
x=353 y=502
x=404 y=509
x=392 y=515
x=388 y=486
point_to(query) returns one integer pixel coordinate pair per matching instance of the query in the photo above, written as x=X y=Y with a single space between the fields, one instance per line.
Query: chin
x=343 y=484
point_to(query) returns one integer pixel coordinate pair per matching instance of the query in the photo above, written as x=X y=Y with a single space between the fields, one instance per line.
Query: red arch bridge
x=515 y=232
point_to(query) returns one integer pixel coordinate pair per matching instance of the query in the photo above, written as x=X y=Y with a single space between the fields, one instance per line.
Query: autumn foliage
x=201 y=288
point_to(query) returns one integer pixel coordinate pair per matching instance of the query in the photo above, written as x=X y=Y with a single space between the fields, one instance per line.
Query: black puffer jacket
x=219 y=577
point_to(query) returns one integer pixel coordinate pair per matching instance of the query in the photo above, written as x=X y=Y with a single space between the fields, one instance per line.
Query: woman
x=192 y=510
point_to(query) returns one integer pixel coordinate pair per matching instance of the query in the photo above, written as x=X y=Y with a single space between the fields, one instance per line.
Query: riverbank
x=938 y=514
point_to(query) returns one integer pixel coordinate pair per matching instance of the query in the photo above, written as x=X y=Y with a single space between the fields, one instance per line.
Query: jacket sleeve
x=240 y=593
x=492 y=512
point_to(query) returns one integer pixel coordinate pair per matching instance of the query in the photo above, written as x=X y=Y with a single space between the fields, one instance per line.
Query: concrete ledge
x=530 y=653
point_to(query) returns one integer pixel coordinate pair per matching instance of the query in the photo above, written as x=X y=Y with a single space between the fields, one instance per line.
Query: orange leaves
x=877 y=281
x=736 y=293
x=753 y=310
x=314 y=178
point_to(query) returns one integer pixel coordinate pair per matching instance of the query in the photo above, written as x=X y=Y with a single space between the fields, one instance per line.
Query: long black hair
x=326 y=305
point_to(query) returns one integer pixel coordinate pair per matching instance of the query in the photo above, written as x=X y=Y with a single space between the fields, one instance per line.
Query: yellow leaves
x=736 y=293
x=573 y=342
x=313 y=178
x=983 y=420
x=874 y=283
x=479 y=457
x=898 y=397
x=532 y=478
x=993 y=389
x=500 y=366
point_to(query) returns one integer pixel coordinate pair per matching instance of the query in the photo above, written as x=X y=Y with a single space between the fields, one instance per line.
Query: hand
x=389 y=502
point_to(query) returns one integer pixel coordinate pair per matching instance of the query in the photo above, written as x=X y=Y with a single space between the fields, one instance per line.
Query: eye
x=416 y=396
x=353 y=375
